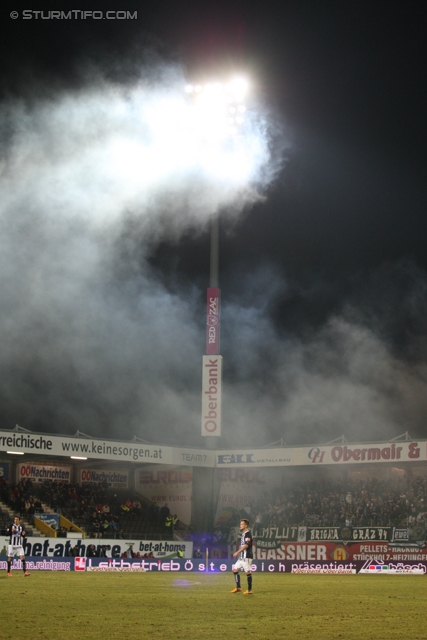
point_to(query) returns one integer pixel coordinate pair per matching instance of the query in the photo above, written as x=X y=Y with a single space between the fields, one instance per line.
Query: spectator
x=164 y=513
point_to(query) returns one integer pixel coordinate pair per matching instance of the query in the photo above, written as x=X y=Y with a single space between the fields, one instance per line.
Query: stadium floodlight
x=77 y=458
x=15 y=453
x=219 y=116
x=216 y=105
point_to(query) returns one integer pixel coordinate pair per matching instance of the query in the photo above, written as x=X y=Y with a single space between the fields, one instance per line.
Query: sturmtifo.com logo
x=74 y=14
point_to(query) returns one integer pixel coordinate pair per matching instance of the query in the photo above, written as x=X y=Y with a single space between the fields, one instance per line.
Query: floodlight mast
x=224 y=104
x=214 y=257
x=212 y=361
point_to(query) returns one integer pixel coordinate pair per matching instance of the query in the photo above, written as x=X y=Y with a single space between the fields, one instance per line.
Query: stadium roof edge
x=341 y=440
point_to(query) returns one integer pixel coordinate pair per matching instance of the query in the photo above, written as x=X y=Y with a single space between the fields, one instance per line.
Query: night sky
x=323 y=266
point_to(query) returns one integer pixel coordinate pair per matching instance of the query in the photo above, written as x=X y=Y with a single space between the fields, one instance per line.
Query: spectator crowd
x=327 y=502
x=105 y=513
x=100 y=511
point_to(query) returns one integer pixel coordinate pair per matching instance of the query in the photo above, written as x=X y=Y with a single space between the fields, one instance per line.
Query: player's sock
x=249 y=582
x=9 y=562
x=237 y=579
x=24 y=566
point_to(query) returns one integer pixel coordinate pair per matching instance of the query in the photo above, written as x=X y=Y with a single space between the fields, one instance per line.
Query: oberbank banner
x=211 y=567
x=325 y=455
x=50 y=445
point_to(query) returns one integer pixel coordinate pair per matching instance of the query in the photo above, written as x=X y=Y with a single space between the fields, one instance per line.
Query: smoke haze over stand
x=360 y=373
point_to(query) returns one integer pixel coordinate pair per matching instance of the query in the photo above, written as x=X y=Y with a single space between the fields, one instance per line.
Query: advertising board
x=51 y=519
x=114 y=478
x=68 y=446
x=190 y=566
x=347 y=455
x=37 y=472
x=168 y=485
x=99 y=449
x=240 y=489
x=4 y=470
x=61 y=547
x=211 y=395
x=212 y=320
x=337 y=552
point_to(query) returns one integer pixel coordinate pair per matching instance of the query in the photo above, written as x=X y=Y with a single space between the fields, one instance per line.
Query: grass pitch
x=64 y=605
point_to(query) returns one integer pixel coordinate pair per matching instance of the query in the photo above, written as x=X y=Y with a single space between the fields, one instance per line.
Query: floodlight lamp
x=214 y=87
x=236 y=90
x=216 y=109
x=240 y=86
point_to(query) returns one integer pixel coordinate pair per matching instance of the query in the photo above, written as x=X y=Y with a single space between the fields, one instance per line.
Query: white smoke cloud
x=92 y=339
x=99 y=152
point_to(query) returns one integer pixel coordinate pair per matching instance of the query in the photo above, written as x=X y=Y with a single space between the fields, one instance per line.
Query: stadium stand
x=324 y=501
x=346 y=502
x=98 y=510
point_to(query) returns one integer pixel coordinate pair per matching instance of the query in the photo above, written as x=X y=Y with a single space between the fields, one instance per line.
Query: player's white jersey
x=246 y=539
x=15 y=535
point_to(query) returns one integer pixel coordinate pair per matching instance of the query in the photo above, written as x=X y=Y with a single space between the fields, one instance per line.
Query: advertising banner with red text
x=212 y=321
x=40 y=472
x=325 y=455
x=213 y=566
x=114 y=478
x=331 y=552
